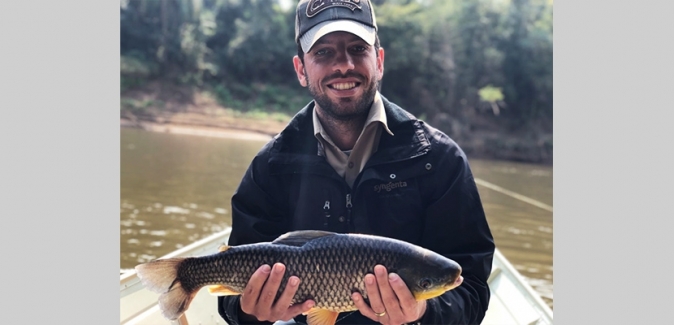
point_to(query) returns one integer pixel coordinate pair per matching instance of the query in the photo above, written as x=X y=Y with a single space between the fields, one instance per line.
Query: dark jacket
x=416 y=187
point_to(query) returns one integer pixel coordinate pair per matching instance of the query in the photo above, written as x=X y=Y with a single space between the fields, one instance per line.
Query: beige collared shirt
x=349 y=164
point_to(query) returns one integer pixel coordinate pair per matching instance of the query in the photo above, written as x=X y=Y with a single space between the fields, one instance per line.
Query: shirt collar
x=376 y=114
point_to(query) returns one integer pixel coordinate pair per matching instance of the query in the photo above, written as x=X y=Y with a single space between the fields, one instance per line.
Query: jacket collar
x=409 y=139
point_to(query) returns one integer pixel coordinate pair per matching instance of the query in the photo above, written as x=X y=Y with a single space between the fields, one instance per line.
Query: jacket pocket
x=394 y=209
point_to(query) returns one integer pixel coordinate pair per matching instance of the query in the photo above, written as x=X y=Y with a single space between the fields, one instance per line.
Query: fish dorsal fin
x=317 y=316
x=300 y=237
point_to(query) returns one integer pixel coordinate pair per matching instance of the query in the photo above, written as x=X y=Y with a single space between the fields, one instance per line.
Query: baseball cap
x=316 y=18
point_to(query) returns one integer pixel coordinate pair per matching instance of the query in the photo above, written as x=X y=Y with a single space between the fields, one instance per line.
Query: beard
x=346 y=109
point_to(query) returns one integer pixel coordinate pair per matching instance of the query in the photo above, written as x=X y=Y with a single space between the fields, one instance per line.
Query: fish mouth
x=454 y=284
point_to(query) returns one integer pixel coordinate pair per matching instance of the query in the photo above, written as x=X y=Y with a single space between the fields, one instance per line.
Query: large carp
x=330 y=266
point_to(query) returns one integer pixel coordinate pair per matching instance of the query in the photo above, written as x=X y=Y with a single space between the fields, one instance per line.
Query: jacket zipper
x=348 y=210
x=326 y=211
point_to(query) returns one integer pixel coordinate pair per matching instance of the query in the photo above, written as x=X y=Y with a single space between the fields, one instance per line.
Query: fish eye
x=425 y=283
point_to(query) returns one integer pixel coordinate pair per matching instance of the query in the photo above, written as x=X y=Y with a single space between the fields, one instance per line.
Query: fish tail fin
x=161 y=276
x=175 y=302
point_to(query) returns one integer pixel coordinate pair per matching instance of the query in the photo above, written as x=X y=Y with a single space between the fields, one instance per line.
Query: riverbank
x=179 y=110
x=208 y=131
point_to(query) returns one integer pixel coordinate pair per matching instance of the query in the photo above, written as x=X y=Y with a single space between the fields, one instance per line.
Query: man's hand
x=257 y=299
x=391 y=302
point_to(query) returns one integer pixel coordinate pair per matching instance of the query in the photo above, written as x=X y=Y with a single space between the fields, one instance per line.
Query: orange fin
x=222 y=290
x=321 y=317
x=223 y=248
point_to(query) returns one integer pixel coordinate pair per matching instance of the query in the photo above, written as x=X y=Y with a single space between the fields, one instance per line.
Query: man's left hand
x=391 y=302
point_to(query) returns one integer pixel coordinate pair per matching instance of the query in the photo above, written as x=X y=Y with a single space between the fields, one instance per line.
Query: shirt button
x=429 y=166
x=341 y=218
x=350 y=164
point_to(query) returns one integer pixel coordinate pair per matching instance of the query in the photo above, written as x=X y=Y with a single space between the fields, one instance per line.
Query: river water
x=176 y=189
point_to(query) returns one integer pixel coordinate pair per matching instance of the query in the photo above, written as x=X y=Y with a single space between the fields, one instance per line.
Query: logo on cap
x=316 y=6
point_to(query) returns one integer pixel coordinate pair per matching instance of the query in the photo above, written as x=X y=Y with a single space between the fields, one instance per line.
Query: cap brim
x=365 y=32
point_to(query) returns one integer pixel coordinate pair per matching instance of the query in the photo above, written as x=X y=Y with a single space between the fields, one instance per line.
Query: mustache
x=348 y=74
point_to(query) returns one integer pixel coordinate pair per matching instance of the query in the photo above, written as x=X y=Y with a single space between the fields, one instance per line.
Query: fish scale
x=328 y=271
x=330 y=266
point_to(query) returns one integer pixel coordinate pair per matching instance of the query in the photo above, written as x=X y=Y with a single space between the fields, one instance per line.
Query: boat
x=513 y=301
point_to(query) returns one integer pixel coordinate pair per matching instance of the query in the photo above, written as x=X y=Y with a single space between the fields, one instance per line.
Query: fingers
x=268 y=294
x=365 y=309
x=251 y=293
x=388 y=296
x=281 y=307
x=376 y=304
x=258 y=297
x=391 y=301
x=377 y=292
x=286 y=297
x=408 y=304
x=302 y=308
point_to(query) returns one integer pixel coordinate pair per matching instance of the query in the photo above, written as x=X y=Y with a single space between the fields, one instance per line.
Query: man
x=353 y=162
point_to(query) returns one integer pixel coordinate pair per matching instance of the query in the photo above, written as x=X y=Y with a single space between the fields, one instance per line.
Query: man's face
x=342 y=72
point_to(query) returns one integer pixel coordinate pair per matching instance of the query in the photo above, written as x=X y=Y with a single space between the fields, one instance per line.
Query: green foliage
x=139 y=106
x=490 y=94
x=132 y=65
x=527 y=64
x=135 y=70
x=130 y=82
x=441 y=55
x=261 y=97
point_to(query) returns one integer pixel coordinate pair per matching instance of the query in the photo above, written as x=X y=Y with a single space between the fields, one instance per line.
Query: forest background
x=479 y=70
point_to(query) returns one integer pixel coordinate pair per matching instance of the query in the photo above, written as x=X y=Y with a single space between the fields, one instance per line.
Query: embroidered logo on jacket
x=316 y=6
x=389 y=186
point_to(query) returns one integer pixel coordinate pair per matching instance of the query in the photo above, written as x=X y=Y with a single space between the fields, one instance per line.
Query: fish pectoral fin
x=222 y=290
x=317 y=316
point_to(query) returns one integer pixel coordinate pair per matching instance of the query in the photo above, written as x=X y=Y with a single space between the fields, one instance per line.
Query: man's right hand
x=257 y=299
